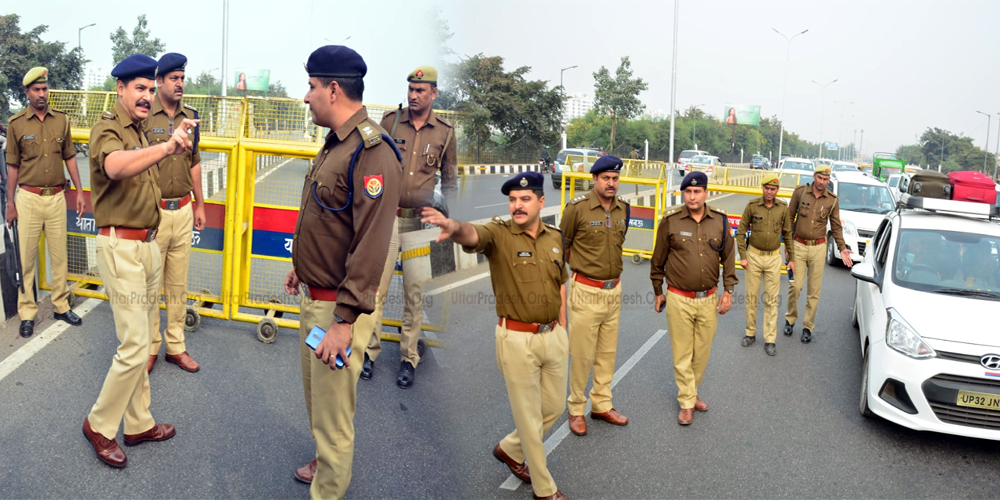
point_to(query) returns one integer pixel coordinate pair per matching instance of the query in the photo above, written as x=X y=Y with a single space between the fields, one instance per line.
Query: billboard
x=739 y=114
x=252 y=79
x=831 y=146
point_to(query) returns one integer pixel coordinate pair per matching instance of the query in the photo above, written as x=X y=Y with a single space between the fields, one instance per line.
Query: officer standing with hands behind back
x=767 y=220
x=39 y=142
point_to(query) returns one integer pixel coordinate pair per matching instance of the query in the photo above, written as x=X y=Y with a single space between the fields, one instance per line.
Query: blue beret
x=336 y=61
x=171 y=61
x=524 y=180
x=697 y=179
x=135 y=66
x=606 y=163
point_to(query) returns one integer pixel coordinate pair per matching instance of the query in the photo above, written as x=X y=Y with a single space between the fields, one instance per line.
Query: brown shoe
x=152 y=361
x=611 y=416
x=558 y=495
x=306 y=473
x=519 y=470
x=159 y=432
x=685 y=416
x=107 y=449
x=578 y=425
x=700 y=404
x=183 y=361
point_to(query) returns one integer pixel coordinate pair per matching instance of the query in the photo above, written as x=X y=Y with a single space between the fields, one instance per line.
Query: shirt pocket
x=57 y=146
x=525 y=269
x=327 y=190
x=430 y=158
x=31 y=149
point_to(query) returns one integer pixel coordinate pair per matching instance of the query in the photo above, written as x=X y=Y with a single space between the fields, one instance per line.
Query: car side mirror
x=864 y=271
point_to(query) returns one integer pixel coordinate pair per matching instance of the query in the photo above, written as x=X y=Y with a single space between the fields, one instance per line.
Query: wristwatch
x=338 y=319
x=729 y=291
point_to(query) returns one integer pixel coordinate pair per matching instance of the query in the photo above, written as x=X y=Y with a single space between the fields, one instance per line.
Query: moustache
x=142 y=104
x=519 y=212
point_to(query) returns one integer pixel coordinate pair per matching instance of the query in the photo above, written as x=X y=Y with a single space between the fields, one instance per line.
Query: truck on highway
x=886 y=164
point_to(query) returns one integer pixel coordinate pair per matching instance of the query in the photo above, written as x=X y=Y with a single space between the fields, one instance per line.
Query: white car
x=864 y=202
x=893 y=183
x=800 y=170
x=844 y=166
x=926 y=302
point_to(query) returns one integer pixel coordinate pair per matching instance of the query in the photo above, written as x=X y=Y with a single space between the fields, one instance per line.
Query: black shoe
x=748 y=341
x=69 y=317
x=366 y=370
x=406 y=373
x=807 y=336
x=27 y=328
x=770 y=349
x=421 y=348
x=788 y=329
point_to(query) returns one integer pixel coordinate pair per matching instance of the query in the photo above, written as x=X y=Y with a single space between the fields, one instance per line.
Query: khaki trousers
x=768 y=267
x=413 y=294
x=813 y=259
x=174 y=240
x=692 y=324
x=375 y=344
x=131 y=273
x=593 y=343
x=534 y=369
x=37 y=214
x=331 y=399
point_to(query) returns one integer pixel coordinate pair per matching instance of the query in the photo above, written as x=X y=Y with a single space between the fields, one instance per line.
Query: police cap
x=171 y=61
x=37 y=74
x=135 y=66
x=607 y=163
x=822 y=168
x=770 y=180
x=423 y=74
x=524 y=180
x=336 y=61
x=696 y=179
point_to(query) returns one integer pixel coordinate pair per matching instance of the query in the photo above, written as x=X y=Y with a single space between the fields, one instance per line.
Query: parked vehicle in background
x=864 y=202
x=801 y=167
x=845 y=166
x=759 y=162
x=581 y=158
x=686 y=156
x=886 y=164
x=893 y=183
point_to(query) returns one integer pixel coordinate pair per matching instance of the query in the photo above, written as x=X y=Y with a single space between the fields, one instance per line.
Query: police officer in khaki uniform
x=179 y=176
x=691 y=242
x=340 y=245
x=126 y=196
x=813 y=208
x=427 y=143
x=767 y=220
x=529 y=281
x=595 y=225
x=39 y=143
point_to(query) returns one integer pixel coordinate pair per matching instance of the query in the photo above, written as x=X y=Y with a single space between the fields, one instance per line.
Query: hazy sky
x=906 y=65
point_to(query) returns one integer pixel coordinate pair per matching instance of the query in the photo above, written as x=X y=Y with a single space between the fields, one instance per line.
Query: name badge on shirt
x=29 y=137
x=686 y=233
x=596 y=223
x=524 y=254
x=399 y=141
x=159 y=131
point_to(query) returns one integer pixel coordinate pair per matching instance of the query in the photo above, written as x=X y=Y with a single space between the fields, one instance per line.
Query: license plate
x=978 y=400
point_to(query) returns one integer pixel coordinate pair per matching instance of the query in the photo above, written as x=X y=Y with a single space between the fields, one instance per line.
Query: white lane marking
x=493 y=205
x=273 y=169
x=457 y=284
x=36 y=344
x=513 y=482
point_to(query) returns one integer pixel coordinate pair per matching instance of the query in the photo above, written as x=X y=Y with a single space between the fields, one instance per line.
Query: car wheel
x=854 y=309
x=555 y=184
x=863 y=399
x=831 y=252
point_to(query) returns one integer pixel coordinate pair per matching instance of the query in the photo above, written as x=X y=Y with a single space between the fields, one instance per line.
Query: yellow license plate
x=978 y=400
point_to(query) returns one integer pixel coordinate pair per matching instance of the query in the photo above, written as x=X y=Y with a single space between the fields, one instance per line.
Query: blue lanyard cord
x=350 y=175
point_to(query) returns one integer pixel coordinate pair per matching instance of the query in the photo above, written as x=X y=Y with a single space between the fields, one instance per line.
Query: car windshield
x=561 y=157
x=948 y=262
x=894 y=181
x=797 y=165
x=688 y=154
x=845 y=167
x=887 y=171
x=701 y=160
x=867 y=198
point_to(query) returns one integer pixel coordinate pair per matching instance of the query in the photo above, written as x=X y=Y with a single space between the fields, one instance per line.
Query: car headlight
x=850 y=234
x=900 y=336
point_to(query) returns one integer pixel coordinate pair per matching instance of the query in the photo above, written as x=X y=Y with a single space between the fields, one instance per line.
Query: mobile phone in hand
x=315 y=336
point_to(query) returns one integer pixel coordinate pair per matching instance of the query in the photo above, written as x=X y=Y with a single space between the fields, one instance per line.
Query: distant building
x=657 y=114
x=95 y=77
x=577 y=105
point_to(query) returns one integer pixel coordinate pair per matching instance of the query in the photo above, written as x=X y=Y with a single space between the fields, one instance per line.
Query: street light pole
x=996 y=156
x=79 y=35
x=225 y=44
x=694 y=130
x=840 y=130
x=561 y=76
x=673 y=90
x=822 y=112
x=986 y=150
x=784 y=87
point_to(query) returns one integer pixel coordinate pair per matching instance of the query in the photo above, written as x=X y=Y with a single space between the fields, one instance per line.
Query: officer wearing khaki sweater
x=529 y=281
x=427 y=144
x=126 y=196
x=691 y=242
x=813 y=208
x=179 y=176
x=38 y=143
x=595 y=225
x=340 y=244
x=767 y=220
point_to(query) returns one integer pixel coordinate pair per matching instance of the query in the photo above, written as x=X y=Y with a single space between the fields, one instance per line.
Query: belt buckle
x=544 y=328
x=609 y=285
x=173 y=204
x=701 y=295
x=47 y=191
x=151 y=236
x=305 y=290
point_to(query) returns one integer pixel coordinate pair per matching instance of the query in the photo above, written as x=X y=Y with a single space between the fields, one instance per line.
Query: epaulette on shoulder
x=498 y=220
x=444 y=122
x=623 y=200
x=780 y=201
x=719 y=211
x=188 y=106
x=552 y=227
x=578 y=199
x=23 y=112
x=107 y=115
x=389 y=113
x=831 y=193
x=54 y=110
x=670 y=212
x=370 y=136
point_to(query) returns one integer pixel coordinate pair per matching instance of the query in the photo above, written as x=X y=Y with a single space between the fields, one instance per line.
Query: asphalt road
x=786 y=426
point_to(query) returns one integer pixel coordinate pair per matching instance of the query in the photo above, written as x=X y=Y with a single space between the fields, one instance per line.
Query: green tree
x=19 y=52
x=618 y=96
x=140 y=42
x=441 y=34
x=203 y=84
x=911 y=154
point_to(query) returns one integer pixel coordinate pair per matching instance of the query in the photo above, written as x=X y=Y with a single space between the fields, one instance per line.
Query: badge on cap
x=694 y=182
x=373 y=186
x=524 y=181
x=419 y=75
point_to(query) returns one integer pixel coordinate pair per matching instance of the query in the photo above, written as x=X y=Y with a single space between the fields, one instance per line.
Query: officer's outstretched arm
x=460 y=232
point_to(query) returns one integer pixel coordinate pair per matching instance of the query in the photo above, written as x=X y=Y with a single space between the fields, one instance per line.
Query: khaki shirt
x=38 y=148
x=526 y=272
x=767 y=227
x=175 y=170
x=424 y=153
x=687 y=252
x=346 y=250
x=594 y=237
x=132 y=202
x=810 y=215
